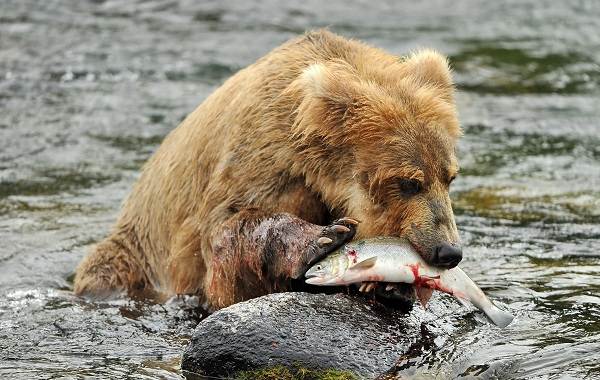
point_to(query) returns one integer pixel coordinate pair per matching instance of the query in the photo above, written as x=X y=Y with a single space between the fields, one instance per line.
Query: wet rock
x=315 y=331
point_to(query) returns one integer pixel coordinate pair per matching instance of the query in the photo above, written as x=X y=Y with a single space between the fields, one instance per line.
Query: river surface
x=88 y=89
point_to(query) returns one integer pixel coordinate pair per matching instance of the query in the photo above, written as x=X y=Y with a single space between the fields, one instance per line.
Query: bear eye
x=409 y=187
x=451 y=179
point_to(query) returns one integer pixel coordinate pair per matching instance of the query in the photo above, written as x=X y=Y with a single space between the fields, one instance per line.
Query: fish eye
x=319 y=267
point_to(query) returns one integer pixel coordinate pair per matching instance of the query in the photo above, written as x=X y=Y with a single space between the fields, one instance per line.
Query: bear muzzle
x=446 y=256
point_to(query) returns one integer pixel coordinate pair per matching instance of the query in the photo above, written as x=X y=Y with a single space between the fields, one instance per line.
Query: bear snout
x=446 y=256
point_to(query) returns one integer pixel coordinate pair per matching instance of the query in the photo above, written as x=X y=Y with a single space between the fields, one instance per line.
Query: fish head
x=327 y=271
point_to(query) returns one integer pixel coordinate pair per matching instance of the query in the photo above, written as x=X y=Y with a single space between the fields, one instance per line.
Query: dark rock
x=315 y=331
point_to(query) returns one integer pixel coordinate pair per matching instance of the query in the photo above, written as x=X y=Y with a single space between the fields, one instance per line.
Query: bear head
x=377 y=142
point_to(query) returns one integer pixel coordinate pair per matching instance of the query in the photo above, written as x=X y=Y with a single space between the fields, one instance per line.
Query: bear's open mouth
x=417 y=248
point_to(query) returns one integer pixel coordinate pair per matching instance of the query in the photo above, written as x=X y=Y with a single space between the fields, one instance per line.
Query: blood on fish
x=428 y=282
x=415 y=270
x=353 y=255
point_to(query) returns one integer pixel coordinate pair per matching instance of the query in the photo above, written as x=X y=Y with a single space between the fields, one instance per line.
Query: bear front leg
x=257 y=253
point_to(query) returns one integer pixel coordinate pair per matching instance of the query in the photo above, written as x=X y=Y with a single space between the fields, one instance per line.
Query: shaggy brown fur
x=319 y=128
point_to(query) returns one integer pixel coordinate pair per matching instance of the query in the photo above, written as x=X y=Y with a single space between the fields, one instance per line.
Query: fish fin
x=368 y=263
x=423 y=294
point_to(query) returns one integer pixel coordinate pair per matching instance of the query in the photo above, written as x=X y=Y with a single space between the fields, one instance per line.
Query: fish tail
x=500 y=317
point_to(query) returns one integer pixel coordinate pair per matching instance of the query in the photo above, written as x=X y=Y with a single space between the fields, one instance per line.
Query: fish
x=394 y=260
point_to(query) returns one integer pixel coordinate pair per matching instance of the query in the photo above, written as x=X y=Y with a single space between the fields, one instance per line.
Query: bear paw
x=330 y=238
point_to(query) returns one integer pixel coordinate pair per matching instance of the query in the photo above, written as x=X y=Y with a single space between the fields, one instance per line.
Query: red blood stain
x=352 y=254
x=428 y=282
x=415 y=270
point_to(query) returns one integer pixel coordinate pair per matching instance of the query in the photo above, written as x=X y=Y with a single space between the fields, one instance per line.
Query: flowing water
x=89 y=88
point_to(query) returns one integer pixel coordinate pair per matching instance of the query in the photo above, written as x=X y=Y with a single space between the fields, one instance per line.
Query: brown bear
x=253 y=185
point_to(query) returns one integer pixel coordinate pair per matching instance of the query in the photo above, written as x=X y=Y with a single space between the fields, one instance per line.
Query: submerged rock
x=314 y=331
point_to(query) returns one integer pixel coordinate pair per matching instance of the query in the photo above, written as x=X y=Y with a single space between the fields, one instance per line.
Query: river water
x=89 y=88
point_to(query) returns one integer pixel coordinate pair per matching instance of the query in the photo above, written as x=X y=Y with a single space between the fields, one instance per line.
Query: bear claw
x=351 y=221
x=323 y=241
x=331 y=237
x=340 y=229
x=368 y=286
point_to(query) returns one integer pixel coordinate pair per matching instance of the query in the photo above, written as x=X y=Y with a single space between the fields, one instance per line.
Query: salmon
x=394 y=260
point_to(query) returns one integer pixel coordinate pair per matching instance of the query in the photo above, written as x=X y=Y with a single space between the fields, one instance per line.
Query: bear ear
x=430 y=68
x=332 y=82
x=324 y=97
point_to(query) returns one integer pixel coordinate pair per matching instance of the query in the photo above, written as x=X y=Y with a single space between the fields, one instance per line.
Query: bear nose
x=446 y=256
